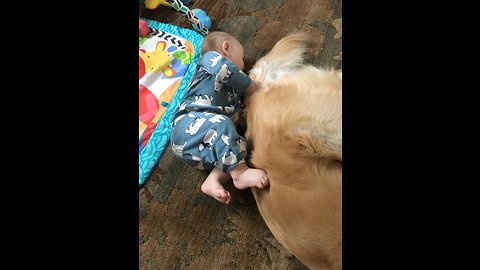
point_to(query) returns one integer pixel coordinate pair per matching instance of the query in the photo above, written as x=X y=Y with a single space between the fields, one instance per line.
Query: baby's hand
x=255 y=86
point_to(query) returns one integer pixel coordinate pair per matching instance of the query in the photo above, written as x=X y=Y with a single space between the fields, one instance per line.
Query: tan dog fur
x=295 y=134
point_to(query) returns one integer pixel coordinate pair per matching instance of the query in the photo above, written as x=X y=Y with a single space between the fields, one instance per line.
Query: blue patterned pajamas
x=203 y=131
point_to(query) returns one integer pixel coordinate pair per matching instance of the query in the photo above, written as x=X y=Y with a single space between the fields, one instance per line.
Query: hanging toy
x=202 y=16
x=198 y=24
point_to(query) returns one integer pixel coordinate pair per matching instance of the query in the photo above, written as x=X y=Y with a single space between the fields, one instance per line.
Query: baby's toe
x=260 y=183
x=226 y=198
x=265 y=181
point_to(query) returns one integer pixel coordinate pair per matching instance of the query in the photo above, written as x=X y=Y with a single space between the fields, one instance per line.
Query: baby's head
x=226 y=45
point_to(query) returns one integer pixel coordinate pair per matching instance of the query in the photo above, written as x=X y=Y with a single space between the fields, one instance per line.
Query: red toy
x=143 y=28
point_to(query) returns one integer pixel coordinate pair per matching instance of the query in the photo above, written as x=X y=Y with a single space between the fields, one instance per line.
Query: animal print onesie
x=203 y=132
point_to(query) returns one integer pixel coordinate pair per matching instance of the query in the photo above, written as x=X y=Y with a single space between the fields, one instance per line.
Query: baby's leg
x=230 y=151
x=245 y=177
x=212 y=186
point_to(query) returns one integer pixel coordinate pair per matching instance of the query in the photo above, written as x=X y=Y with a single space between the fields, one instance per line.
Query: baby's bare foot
x=218 y=193
x=245 y=177
x=213 y=186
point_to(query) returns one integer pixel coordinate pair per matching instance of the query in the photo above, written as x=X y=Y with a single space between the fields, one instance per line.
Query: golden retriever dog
x=294 y=128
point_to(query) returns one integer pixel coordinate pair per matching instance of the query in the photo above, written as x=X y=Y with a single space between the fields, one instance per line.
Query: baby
x=203 y=132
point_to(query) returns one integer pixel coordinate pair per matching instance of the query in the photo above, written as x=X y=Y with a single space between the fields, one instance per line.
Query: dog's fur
x=294 y=128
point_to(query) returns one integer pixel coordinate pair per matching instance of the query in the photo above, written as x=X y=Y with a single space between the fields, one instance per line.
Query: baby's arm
x=237 y=79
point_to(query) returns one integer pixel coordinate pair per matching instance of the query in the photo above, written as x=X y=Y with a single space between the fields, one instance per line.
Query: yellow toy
x=153 y=4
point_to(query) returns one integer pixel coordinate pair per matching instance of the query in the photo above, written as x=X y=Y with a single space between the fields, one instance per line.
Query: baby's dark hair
x=213 y=41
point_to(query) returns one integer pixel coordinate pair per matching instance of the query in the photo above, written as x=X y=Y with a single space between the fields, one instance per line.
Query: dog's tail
x=287 y=54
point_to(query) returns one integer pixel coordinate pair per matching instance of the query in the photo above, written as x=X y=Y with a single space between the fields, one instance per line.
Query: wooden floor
x=180 y=227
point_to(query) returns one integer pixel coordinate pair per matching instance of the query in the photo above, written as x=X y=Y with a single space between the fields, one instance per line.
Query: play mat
x=167 y=60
